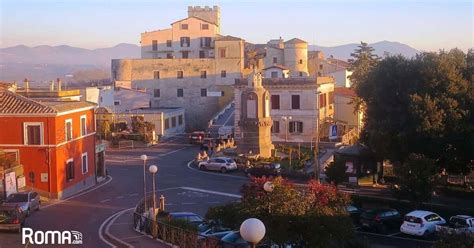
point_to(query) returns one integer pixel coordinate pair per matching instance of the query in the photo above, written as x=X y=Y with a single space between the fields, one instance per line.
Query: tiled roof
x=276 y=66
x=12 y=103
x=228 y=38
x=296 y=40
x=193 y=17
x=344 y=91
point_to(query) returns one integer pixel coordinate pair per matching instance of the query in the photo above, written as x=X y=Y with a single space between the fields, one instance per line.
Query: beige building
x=295 y=98
x=292 y=55
x=345 y=108
x=190 y=65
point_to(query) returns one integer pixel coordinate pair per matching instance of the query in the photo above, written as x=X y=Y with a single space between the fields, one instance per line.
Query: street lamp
x=153 y=169
x=286 y=119
x=144 y=158
x=252 y=230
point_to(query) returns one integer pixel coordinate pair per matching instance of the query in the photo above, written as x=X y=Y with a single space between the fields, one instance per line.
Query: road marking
x=171 y=152
x=75 y=196
x=393 y=234
x=212 y=192
x=215 y=174
x=120 y=197
x=109 y=222
x=396 y=237
x=188 y=203
x=134 y=194
x=106 y=200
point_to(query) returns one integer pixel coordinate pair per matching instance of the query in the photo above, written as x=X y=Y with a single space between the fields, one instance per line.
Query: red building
x=53 y=140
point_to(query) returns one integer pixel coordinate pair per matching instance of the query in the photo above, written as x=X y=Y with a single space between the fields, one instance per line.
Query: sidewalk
x=120 y=232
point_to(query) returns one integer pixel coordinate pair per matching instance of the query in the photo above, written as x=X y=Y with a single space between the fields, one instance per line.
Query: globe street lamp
x=286 y=119
x=153 y=169
x=144 y=157
x=252 y=230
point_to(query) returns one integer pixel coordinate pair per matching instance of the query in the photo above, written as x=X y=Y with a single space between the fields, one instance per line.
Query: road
x=108 y=206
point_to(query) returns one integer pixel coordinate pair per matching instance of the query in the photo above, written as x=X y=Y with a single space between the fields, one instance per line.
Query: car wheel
x=202 y=167
x=223 y=170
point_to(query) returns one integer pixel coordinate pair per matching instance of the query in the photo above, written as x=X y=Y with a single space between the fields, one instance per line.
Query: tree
x=422 y=105
x=362 y=61
x=105 y=130
x=336 y=172
x=416 y=179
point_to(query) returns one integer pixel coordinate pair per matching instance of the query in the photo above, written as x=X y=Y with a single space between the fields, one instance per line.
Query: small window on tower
x=205 y=26
x=184 y=26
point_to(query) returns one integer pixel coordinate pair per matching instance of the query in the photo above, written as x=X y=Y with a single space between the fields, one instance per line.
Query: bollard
x=162 y=203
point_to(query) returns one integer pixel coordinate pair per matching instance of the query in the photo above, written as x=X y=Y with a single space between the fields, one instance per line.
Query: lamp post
x=252 y=230
x=144 y=158
x=286 y=119
x=153 y=169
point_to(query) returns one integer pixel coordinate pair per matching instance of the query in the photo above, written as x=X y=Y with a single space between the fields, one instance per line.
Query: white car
x=221 y=164
x=421 y=223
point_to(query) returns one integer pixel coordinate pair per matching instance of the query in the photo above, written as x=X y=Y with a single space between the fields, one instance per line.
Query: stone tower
x=296 y=57
x=207 y=13
x=255 y=121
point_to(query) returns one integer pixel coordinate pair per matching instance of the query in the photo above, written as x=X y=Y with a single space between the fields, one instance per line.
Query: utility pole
x=316 y=143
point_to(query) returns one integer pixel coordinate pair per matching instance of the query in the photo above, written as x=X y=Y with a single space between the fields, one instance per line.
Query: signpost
x=333 y=132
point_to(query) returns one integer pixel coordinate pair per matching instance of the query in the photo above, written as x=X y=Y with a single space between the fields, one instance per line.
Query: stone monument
x=255 y=121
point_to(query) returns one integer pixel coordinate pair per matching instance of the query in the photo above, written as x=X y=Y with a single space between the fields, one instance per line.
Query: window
x=179 y=74
x=116 y=103
x=275 y=60
x=156 y=93
x=202 y=54
x=205 y=26
x=223 y=74
x=322 y=100
x=432 y=217
x=295 y=127
x=180 y=120
x=84 y=163
x=156 y=75
x=169 y=55
x=184 y=26
x=69 y=170
x=101 y=99
x=276 y=127
x=185 y=41
x=185 y=54
x=173 y=121
x=275 y=101
x=203 y=92
x=301 y=73
x=221 y=52
x=83 y=125
x=295 y=101
x=33 y=133
x=321 y=66
x=167 y=123
x=206 y=41
x=180 y=92
x=68 y=129
x=331 y=97
x=274 y=74
x=301 y=61
x=168 y=43
x=203 y=74
x=154 y=45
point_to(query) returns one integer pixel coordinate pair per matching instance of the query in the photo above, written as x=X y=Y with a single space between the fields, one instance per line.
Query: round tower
x=296 y=57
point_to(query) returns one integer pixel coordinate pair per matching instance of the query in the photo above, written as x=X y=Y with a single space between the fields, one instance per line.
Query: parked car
x=380 y=220
x=197 y=137
x=221 y=164
x=27 y=201
x=421 y=223
x=192 y=218
x=234 y=240
x=354 y=212
x=264 y=169
x=11 y=218
x=458 y=224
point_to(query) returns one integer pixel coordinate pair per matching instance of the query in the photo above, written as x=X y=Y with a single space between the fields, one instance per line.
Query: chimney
x=51 y=86
x=26 y=85
x=59 y=83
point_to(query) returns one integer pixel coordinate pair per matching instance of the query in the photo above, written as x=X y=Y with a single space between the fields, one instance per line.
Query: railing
x=350 y=137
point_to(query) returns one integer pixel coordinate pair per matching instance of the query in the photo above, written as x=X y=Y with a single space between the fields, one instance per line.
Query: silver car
x=221 y=164
x=27 y=201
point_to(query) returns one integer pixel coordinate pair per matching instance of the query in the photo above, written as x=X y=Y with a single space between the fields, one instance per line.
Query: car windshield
x=17 y=198
x=229 y=160
x=194 y=218
x=412 y=219
x=368 y=214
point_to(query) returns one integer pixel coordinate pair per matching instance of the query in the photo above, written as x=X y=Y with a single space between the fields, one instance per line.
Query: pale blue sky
x=424 y=25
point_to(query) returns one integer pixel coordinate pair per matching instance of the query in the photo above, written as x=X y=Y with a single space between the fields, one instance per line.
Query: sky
x=424 y=25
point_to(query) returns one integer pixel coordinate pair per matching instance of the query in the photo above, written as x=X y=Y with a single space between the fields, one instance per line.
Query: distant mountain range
x=381 y=48
x=44 y=63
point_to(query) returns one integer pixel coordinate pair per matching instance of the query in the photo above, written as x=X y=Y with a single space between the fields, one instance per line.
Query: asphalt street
x=184 y=188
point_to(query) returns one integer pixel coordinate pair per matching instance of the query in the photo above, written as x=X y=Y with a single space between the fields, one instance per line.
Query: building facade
x=190 y=65
x=53 y=140
x=292 y=55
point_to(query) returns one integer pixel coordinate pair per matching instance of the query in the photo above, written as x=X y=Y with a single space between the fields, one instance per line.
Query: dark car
x=380 y=220
x=234 y=240
x=11 y=218
x=192 y=218
x=265 y=169
x=197 y=137
x=354 y=212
